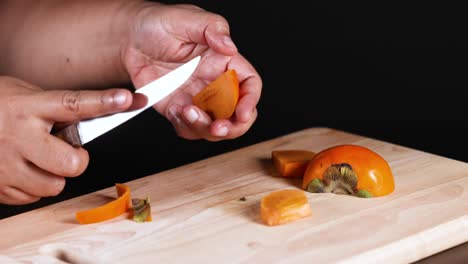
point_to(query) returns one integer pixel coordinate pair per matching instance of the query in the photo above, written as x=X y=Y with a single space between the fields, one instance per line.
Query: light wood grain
x=198 y=217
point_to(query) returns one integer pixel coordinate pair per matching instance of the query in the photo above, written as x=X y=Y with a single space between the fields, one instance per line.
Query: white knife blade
x=86 y=130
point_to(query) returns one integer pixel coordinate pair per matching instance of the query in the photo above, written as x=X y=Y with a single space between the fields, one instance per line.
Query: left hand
x=163 y=37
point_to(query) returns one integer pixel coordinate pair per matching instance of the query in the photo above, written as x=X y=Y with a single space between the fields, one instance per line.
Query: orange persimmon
x=108 y=210
x=284 y=206
x=219 y=98
x=291 y=163
x=349 y=169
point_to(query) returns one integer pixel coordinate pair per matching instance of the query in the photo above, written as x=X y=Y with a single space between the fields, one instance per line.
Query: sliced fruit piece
x=291 y=163
x=284 y=206
x=219 y=98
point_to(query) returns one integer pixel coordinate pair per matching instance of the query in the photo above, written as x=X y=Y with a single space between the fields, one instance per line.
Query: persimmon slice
x=219 y=98
x=284 y=206
x=109 y=210
x=291 y=163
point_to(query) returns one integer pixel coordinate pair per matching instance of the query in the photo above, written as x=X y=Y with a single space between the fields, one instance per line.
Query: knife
x=80 y=133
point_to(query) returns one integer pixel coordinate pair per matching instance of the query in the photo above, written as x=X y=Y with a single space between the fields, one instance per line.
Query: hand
x=34 y=162
x=161 y=38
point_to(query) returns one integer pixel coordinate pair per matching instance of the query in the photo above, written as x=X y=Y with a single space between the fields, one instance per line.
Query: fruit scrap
x=219 y=98
x=284 y=206
x=349 y=169
x=109 y=210
x=291 y=163
x=141 y=210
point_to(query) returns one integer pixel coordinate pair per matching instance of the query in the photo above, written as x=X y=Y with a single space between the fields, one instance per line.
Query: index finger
x=71 y=106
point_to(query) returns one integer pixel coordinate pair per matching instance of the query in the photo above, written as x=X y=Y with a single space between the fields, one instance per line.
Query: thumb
x=72 y=106
x=203 y=27
x=218 y=37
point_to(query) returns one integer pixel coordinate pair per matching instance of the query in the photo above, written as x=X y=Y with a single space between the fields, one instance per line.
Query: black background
x=391 y=72
x=394 y=72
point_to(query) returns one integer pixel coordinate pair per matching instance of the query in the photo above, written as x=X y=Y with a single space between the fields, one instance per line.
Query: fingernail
x=120 y=97
x=191 y=115
x=222 y=131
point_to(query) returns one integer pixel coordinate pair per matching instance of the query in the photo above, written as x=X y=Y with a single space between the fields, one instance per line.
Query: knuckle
x=219 y=20
x=191 y=7
x=71 y=101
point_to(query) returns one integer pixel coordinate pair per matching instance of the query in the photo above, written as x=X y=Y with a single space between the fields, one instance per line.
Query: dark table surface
x=390 y=72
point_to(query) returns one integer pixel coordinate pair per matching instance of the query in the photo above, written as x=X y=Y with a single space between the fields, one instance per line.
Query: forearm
x=68 y=44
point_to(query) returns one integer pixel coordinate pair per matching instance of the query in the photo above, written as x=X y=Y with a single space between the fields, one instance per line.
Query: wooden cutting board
x=199 y=216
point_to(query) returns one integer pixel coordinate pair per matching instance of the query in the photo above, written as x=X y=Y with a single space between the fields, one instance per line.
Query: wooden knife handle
x=70 y=135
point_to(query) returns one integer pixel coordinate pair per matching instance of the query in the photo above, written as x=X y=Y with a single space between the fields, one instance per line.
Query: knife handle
x=70 y=135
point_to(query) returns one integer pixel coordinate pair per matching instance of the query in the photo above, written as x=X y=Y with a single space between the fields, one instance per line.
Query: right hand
x=34 y=163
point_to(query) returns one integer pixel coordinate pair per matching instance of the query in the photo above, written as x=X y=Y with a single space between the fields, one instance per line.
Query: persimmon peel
x=219 y=98
x=284 y=206
x=349 y=169
x=291 y=163
x=109 y=210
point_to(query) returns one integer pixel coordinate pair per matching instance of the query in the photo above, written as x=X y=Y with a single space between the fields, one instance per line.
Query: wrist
x=131 y=17
x=120 y=32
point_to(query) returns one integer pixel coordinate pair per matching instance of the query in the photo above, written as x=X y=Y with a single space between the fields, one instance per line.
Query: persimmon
x=291 y=163
x=349 y=169
x=219 y=98
x=284 y=206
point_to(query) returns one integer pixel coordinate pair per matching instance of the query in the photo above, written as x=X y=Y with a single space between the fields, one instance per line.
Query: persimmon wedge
x=291 y=162
x=284 y=206
x=219 y=98
x=349 y=169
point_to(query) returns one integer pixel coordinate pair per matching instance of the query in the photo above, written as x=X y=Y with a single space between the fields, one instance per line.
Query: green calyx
x=363 y=194
x=338 y=179
x=315 y=186
x=141 y=209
